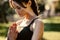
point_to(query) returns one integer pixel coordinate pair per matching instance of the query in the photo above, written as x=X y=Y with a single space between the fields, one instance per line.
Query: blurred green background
x=51 y=23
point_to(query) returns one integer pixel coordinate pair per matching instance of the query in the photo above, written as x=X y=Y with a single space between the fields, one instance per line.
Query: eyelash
x=18 y=7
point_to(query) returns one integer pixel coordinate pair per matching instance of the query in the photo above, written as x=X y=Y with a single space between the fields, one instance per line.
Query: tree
x=4 y=11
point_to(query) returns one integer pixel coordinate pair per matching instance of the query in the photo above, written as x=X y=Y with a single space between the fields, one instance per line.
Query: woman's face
x=19 y=9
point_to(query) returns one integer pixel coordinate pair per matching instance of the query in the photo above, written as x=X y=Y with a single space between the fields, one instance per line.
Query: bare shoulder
x=39 y=21
x=38 y=24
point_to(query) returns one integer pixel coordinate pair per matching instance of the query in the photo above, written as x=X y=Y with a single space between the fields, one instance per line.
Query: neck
x=31 y=15
x=31 y=12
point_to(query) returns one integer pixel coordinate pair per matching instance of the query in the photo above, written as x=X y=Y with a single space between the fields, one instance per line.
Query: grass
x=2 y=38
x=52 y=20
x=51 y=35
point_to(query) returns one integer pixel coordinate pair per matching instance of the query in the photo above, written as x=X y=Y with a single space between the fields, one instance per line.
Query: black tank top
x=26 y=33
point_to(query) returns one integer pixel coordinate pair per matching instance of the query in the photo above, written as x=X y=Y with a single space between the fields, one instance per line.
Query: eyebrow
x=19 y=5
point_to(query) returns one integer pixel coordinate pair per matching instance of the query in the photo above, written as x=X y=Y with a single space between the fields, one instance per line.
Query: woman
x=31 y=27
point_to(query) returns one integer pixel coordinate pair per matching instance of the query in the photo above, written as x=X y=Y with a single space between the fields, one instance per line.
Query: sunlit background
x=49 y=11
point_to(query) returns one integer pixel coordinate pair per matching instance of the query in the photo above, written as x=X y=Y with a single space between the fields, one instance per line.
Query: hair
x=33 y=5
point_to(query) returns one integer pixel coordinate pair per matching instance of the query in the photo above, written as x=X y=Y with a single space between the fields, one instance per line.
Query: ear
x=29 y=3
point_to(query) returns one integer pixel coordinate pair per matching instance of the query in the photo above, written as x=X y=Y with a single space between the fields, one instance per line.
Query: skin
x=39 y=27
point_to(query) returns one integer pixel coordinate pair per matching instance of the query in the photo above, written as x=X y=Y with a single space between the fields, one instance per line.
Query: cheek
x=18 y=12
x=21 y=13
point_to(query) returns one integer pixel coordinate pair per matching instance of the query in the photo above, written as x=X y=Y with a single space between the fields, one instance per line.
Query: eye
x=18 y=7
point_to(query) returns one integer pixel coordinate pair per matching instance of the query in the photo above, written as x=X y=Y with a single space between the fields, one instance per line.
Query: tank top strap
x=32 y=22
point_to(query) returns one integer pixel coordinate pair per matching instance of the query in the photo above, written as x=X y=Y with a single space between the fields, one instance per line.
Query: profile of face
x=21 y=11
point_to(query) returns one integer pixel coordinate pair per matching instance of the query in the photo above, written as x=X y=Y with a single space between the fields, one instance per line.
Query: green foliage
x=5 y=6
x=52 y=27
x=3 y=31
x=5 y=10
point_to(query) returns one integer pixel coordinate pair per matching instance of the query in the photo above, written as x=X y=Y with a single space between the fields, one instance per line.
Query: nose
x=17 y=11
